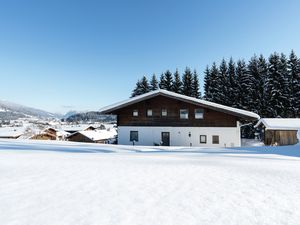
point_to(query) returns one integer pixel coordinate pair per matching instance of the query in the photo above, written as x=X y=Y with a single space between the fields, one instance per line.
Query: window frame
x=213 y=141
x=135 y=113
x=199 y=118
x=205 y=136
x=147 y=112
x=131 y=138
x=180 y=113
x=166 y=111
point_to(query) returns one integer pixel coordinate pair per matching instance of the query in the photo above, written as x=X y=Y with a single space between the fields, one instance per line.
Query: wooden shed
x=279 y=131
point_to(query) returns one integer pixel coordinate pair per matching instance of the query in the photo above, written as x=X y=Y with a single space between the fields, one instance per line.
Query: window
x=134 y=136
x=149 y=112
x=199 y=113
x=135 y=112
x=215 y=139
x=203 y=139
x=164 y=112
x=184 y=113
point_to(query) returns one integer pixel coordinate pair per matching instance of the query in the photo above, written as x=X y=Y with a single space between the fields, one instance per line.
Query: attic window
x=199 y=113
x=164 y=112
x=135 y=112
x=149 y=112
x=184 y=113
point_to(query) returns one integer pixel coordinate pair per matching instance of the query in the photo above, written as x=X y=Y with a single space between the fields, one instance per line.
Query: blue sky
x=63 y=55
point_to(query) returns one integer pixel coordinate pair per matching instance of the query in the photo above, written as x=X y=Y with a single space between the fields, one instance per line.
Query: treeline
x=269 y=87
x=91 y=117
x=187 y=84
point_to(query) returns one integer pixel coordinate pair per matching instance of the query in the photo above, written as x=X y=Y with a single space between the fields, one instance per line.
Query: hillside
x=11 y=111
x=73 y=183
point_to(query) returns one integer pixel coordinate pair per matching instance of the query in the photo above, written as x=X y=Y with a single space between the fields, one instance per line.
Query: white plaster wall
x=179 y=136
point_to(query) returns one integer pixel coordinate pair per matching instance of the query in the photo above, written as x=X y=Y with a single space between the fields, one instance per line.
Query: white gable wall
x=179 y=136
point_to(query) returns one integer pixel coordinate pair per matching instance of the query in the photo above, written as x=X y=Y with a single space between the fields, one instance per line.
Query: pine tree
x=162 y=82
x=222 y=84
x=261 y=89
x=153 y=83
x=137 y=90
x=232 y=87
x=285 y=89
x=145 y=85
x=177 y=84
x=274 y=84
x=241 y=75
x=169 y=80
x=213 y=88
x=253 y=84
x=207 y=77
x=187 y=82
x=294 y=84
x=195 y=85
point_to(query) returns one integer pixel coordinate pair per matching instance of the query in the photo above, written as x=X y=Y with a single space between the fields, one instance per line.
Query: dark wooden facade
x=212 y=118
x=280 y=137
x=44 y=136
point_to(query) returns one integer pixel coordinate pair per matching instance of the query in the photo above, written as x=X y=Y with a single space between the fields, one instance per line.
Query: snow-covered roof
x=280 y=123
x=97 y=135
x=80 y=127
x=11 y=132
x=212 y=105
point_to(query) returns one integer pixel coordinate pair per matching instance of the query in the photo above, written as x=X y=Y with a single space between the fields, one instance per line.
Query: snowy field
x=86 y=184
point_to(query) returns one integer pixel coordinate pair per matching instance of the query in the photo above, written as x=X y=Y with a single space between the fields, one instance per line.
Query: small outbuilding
x=279 y=131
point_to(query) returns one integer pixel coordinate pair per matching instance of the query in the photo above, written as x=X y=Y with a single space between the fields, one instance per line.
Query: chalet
x=165 y=118
x=76 y=128
x=47 y=134
x=43 y=136
x=92 y=136
x=279 y=131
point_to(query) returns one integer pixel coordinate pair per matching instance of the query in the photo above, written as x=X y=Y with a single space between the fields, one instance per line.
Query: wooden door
x=165 y=138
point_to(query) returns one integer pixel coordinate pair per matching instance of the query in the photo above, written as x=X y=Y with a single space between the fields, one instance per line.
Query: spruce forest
x=269 y=87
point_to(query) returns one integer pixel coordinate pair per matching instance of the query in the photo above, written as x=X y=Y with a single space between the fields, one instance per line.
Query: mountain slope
x=91 y=117
x=9 y=111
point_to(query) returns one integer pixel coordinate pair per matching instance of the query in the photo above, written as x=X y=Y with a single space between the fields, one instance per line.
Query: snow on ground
x=75 y=183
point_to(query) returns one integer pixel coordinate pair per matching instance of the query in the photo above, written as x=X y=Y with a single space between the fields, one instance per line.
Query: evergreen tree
x=261 y=88
x=222 y=84
x=241 y=74
x=137 y=90
x=145 y=87
x=274 y=83
x=177 y=84
x=163 y=82
x=294 y=84
x=169 y=80
x=213 y=88
x=285 y=89
x=195 y=85
x=232 y=87
x=253 y=101
x=187 y=82
x=153 y=83
x=207 y=77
